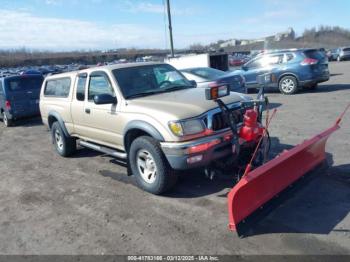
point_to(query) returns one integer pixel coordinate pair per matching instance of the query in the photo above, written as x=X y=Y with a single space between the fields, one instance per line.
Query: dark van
x=19 y=97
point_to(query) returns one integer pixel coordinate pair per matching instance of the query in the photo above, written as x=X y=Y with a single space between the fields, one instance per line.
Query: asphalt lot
x=87 y=205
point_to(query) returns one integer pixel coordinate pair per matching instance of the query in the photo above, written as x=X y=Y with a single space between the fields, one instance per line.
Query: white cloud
x=52 y=2
x=22 y=29
x=147 y=7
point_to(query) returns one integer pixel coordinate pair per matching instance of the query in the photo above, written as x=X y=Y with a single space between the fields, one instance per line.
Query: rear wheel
x=288 y=85
x=65 y=146
x=150 y=167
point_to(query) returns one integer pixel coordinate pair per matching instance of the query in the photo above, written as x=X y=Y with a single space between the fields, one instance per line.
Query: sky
x=62 y=25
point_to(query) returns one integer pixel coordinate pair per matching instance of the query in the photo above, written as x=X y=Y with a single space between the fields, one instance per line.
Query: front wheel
x=288 y=85
x=150 y=167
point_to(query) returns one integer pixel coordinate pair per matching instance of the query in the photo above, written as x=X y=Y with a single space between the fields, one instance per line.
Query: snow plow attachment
x=262 y=184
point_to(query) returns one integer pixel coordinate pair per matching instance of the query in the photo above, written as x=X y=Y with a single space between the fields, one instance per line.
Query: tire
x=65 y=146
x=150 y=167
x=7 y=122
x=288 y=85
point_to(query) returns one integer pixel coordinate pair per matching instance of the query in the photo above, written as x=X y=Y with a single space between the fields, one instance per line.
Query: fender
x=60 y=121
x=144 y=126
x=288 y=74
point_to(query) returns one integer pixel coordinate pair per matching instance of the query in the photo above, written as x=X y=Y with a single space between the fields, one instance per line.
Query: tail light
x=8 y=105
x=309 y=61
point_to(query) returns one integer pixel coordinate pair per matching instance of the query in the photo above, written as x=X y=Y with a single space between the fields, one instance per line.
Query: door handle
x=87 y=110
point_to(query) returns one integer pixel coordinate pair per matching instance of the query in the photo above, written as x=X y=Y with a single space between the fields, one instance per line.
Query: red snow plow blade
x=263 y=183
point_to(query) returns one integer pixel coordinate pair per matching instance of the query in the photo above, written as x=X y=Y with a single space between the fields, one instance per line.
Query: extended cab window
x=99 y=84
x=81 y=87
x=58 y=87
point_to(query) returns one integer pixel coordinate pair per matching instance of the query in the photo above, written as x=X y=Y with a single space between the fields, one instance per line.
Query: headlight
x=188 y=127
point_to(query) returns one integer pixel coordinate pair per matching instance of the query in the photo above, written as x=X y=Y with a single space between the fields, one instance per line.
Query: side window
x=289 y=57
x=272 y=60
x=99 y=84
x=81 y=83
x=255 y=63
x=57 y=87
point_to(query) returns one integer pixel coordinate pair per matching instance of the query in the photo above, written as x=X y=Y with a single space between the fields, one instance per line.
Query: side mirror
x=193 y=83
x=104 y=99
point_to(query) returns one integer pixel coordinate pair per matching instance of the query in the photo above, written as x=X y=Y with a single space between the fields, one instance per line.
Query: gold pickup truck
x=147 y=114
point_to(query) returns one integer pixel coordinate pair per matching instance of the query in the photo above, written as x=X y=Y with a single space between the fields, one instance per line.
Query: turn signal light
x=203 y=147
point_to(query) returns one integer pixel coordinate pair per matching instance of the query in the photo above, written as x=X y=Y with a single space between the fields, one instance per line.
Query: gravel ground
x=87 y=205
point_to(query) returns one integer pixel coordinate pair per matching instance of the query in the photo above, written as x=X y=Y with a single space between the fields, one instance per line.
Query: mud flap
x=265 y=182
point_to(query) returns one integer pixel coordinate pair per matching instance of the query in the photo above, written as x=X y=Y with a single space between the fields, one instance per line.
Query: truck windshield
x=149 y=80
x=20 y=84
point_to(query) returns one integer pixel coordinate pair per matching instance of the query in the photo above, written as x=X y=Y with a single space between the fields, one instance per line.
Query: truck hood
x=180 y=104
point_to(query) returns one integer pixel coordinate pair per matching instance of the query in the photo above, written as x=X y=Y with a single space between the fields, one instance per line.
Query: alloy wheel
x=146 y=166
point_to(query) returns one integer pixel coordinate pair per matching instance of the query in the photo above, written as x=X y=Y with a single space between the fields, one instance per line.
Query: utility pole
x=170 y=29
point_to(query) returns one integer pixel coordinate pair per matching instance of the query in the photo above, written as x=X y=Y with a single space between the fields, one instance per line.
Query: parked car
x=333 y=54
x=343 y=54
x=236 y=61
x=148 y=114
x=19 y=97
x=206 y=76
x=291 y=69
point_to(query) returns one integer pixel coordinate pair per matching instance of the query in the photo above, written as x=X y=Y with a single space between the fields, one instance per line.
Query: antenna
x=170 y=29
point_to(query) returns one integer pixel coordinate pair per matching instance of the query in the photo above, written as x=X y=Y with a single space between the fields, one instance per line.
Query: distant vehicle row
x=339 y=54
x=290 y=70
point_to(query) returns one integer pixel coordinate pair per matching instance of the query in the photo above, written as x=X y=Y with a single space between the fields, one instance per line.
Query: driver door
x=101 y=121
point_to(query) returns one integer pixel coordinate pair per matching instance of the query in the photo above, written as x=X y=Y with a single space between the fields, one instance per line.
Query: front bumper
x=198 y=153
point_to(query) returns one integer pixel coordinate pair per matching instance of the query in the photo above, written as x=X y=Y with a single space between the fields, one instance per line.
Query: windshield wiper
x=142 y=94
x=174 y=88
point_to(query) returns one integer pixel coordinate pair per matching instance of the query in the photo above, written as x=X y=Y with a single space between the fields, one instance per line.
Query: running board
x=103 y=149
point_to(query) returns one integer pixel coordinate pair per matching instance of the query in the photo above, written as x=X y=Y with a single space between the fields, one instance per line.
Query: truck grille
x=219 y=123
